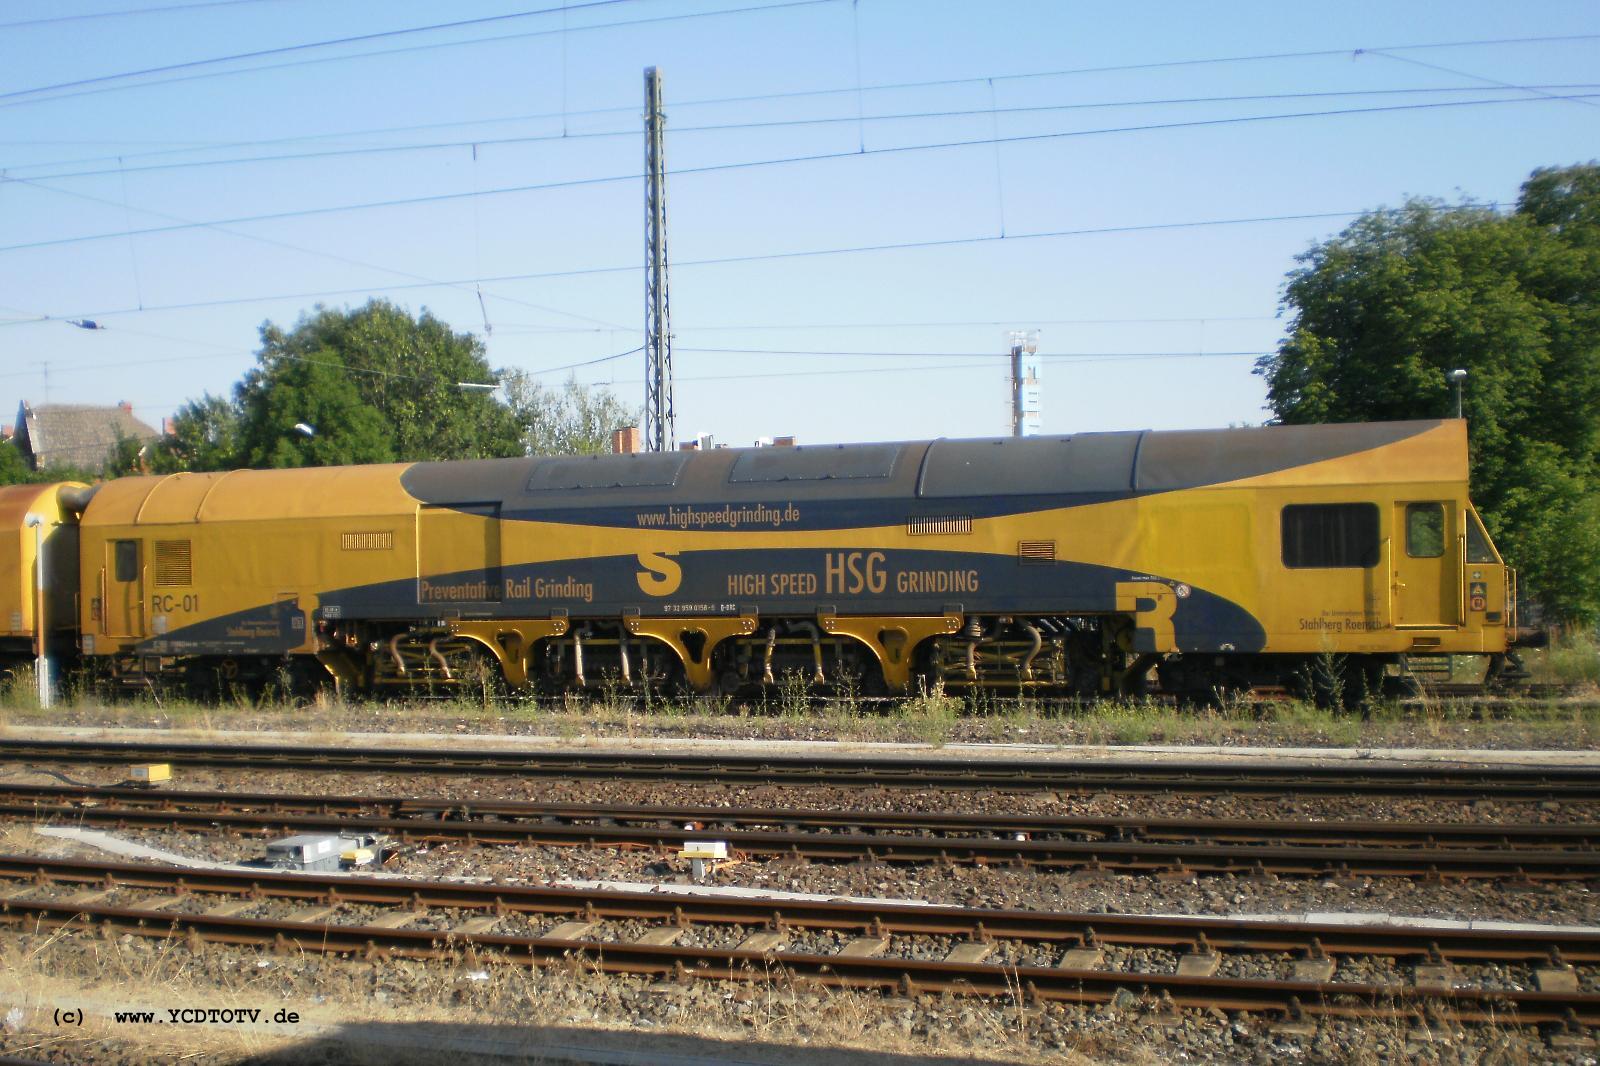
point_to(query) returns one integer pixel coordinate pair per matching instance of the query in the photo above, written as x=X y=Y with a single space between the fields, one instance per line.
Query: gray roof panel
x=1085 y=463
x=658 y=470
x=842 y=462
x=1185 y=458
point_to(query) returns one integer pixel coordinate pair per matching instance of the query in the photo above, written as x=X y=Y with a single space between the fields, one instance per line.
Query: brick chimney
x=625 y=441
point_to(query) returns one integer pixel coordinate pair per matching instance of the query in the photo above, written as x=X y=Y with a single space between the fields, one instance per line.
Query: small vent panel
x=174 y=563
x=939 y=525
x=1036 y=551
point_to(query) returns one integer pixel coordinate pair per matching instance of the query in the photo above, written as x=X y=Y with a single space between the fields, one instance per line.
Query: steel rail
x=1502 y=782
x=1507 y=836
x=1332 y=856
x=975 y=924
x=686 y=964
x=1105 y=855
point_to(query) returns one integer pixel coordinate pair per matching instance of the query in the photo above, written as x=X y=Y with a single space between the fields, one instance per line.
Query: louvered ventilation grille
x=939 y=525
x=1036 y=551
x=173 y=563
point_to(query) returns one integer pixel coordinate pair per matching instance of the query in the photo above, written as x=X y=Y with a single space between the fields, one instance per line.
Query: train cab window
x=1478 y=548
x=1424 y=530
x=1329 y=535
x=126 y=562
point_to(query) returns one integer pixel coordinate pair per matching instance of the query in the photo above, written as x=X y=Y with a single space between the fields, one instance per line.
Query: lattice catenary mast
x=659 y=429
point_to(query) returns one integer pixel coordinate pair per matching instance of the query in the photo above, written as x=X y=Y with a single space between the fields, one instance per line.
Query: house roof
x=75 y=435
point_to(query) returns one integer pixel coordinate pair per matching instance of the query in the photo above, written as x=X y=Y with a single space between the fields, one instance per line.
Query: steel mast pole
x=660 y=431
x=1016 y=384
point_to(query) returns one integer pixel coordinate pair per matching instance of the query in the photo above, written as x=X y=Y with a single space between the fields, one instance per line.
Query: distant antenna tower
x=659 y=429
x=1024 y=384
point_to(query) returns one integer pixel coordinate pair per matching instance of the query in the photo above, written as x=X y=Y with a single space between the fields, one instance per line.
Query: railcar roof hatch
x=835 y=462
x=659 y=470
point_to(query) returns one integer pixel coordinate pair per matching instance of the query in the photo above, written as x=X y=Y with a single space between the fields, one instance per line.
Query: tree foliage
x=1384 y=311
x=14 y=469
x=571 y=420
x=376 y=385
x=371 y=385
x=309 y=413
x=408 y=370
x=204 y=435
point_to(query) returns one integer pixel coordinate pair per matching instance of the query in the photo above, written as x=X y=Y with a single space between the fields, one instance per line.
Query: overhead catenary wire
x=476 y=144
x=1168 y=64
x=39 y=183
x=262 y=53
x=93 y=86
x=1006 y=323
x=1539 y=90
x=223 y=353
x=810 y=352
x=988 y=357
x=127 y=12
x=566 y=114
x=716 y=168
x=729 y=260
x=1135 y=357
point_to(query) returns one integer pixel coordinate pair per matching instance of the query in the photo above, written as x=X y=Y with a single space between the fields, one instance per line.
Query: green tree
x=204 y=435
x=409 y=370
x=571 y=420
x=309 y=413
x=376 y=385
x=129 y=456
x=1385 y=310
x=13 y=467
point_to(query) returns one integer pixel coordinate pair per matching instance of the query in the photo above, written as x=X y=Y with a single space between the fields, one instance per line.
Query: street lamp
x=1458 y=376
x=42 y=666
x=302 y=428
x=486 y=386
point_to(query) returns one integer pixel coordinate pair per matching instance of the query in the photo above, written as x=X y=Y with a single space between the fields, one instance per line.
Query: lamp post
x=42 y=666
x=1458 y=376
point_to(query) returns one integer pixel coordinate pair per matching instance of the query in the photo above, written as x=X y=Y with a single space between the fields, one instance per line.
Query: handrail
x=1461 y=585
x=1511 y=605
x=1389 y=579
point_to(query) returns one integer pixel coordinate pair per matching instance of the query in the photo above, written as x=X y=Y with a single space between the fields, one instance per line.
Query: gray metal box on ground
x=309 y=851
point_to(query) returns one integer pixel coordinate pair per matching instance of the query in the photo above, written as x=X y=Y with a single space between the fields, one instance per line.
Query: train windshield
x=1479 y=548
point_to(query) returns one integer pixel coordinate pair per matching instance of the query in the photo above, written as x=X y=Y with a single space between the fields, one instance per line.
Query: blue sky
x=1147 y=323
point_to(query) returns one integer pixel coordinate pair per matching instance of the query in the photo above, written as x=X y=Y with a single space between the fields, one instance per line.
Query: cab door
x=1426 y=565
x=122 y=608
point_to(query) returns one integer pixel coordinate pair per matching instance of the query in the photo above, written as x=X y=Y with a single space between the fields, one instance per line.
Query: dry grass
x=41 y=971
x=1573 y=658
x=934 y=718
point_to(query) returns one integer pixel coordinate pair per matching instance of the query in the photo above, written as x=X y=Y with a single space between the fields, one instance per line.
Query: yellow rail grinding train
x=1087 y=564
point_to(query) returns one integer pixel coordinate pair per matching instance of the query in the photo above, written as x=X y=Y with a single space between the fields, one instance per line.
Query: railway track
x=1122 y=845
x=910 y=948
x=1439 y=782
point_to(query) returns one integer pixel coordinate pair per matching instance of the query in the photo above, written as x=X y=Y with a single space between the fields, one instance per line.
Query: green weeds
x=1571 y=659
x=931 y=715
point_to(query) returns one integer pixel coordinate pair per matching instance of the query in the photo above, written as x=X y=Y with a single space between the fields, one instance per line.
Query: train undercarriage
x=746 y=658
